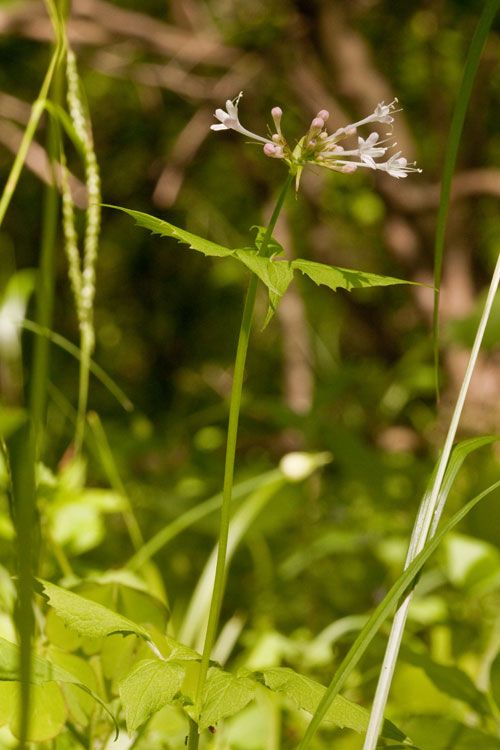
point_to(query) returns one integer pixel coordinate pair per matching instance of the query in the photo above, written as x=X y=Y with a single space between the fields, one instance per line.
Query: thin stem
x=36 y=112
x=232 y=433
x=429 y=514
x=46 y=276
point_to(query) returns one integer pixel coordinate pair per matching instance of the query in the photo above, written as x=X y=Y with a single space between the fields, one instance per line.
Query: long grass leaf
x=381 y=613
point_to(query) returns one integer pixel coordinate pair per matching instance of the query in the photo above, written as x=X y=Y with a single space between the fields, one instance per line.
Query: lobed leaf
x=165 y=229
x=224 y=695
x=306 y=694
x=150 y=686
x=342 y=278
x=87 y=617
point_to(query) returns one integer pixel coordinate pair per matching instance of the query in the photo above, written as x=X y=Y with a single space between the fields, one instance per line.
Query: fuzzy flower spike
x=318 y=147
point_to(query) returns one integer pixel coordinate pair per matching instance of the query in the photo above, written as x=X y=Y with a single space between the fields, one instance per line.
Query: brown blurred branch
x=37 y=161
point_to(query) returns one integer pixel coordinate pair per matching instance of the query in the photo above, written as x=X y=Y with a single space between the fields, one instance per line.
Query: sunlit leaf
x=342 y=278
x=449 y=679
x=48 y=712
x=306 y=694
x=165 y=229
x=224 y=695
x=151 y=685
x=87 y=617
x=44 y=671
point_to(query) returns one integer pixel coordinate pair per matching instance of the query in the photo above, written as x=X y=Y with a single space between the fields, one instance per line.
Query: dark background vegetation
x=345 y=373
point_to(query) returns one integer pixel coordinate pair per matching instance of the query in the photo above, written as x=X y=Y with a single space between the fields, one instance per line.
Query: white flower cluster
x=323 y=149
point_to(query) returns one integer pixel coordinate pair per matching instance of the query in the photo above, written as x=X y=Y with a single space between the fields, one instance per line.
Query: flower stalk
x=232 y=433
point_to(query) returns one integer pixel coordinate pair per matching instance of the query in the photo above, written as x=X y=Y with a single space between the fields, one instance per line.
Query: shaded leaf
x=151 y=685
x=437 y=733
x=10 y=419
x=495 y=679
x=306 y=694
x=450 y=680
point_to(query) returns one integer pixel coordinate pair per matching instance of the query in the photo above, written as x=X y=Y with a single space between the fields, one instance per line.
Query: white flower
x=229 y=120
x=397 y=166
x=381 y=113
x=318 y=148
x=368 y=151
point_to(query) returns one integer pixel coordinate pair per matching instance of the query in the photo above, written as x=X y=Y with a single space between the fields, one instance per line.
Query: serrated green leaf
x=224 y=695
x=275 y=275
x=87 y=617
x=151 y=685
x=42 y=671
x=450 y=680
x=165 y=229
x=273 y=246
x=342 y=278
x=306 y=694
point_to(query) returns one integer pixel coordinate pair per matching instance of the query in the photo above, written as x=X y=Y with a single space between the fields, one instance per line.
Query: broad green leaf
x=438 y=733
x=342 y=278
x=306 y=695
x=133 y=603
x=87 y=617
x=450 y=680
x=163 y=228
x=384 y=609
x=48 y=712
x=495 y=679
x=224 y=695
x=151 y=685
x=44 y=671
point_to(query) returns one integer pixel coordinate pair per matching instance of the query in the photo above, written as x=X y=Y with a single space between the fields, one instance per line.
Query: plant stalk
x=46 y=276
x=232 y=433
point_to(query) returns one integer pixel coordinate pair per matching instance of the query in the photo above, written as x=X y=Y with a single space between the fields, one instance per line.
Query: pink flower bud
x=348 y=168
x=269 y=149
x=318 y=123
x=324 y=114
x=276 y=113
x=276 y=138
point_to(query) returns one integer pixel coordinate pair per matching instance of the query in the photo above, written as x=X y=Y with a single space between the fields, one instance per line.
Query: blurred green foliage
x=328 y=549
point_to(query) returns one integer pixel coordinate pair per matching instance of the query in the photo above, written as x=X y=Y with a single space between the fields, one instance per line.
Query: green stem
x=83 y=389
x=46 y=276
x=232 y=433
x=36 y=112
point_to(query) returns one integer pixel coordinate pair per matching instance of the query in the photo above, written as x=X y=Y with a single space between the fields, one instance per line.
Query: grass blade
x=381 y=613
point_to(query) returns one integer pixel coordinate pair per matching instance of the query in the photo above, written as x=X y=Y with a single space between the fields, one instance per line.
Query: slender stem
x=36 y=112
x=429 y=514
x=83 y=389
x=232 y=433
x=46 y=276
